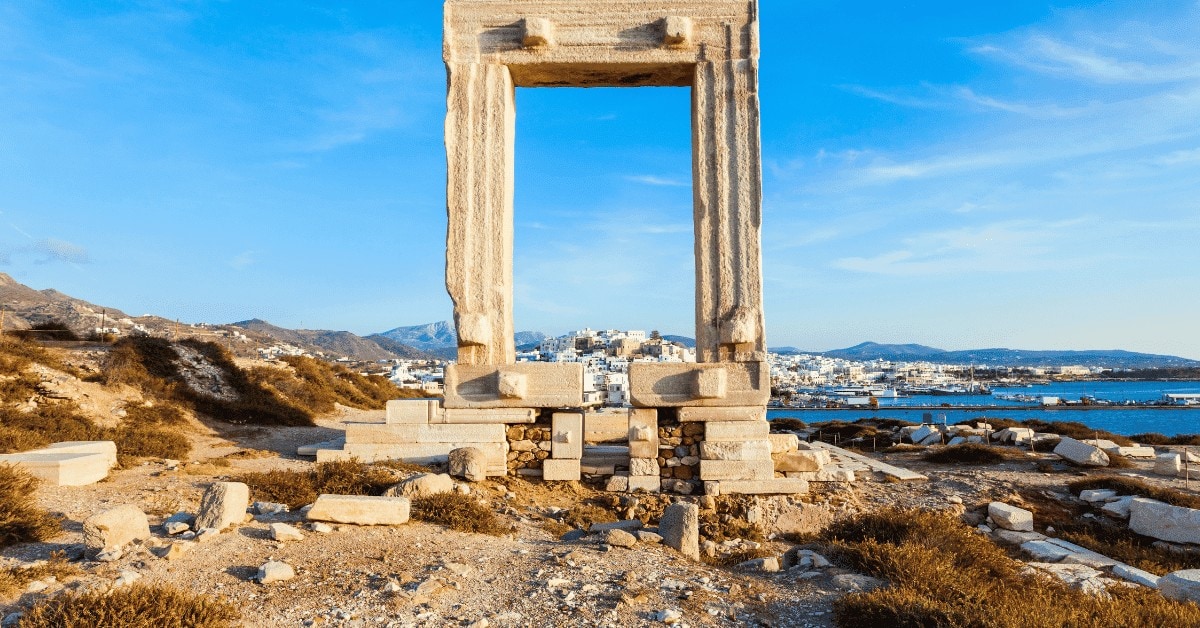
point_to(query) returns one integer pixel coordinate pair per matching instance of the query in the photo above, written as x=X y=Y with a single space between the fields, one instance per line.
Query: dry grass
x=1154 y=438
x=1132 y=486
x=738 y=557
x=942 y=573
x=970 y=453
x=300 y=488
x=14 y=580
x=316 y=385
x=584 y=515
x=459 y=512
x=136 y=606
x=21 y=520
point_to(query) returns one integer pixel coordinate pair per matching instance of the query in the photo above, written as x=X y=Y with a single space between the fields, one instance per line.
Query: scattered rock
x=629 y=526
x=275 y=571
x=361 y=510
x=207 y=534
x=1011 y=517
x=177 y=549
x=649 y=538
x=1168 y=464
x=1119 y=508
x=320 y=528
x=178 y=523
x=617 y=484
x=422 y=485
x=285 y=532
x=469 y=463
x=670 y=617
x=1181 y=585
x=1134 y=574
x=1164 y=521
x=126 y=577
x=114 y=528
x=223 y=504
x=269 y=508
x=769 y=564
x=619 y=538
x=1081 y=453
x=1097 y=495
x=856 y=583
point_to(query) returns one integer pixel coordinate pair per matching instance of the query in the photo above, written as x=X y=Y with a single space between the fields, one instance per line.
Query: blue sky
x=961 y=175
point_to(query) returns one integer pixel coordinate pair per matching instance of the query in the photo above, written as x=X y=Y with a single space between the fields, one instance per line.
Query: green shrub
x=135 y=606
x=21 y=519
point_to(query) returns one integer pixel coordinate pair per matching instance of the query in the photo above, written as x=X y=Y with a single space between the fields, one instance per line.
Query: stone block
x=561 y=470
x=1097 y=495
x=812 y=461
x=643 y=433
x=377 y=434
x=106 y=448
x=648 y=483
x=422 y=485
x=740 y=413
x=680 y=529
x=717 y=431
x=1181 y=585
x=605 y=427
x=566 y=436
x=1119 y=508
x=643 y=466
x=1081 y=453
x=360 y=510
x=1011 y=517
x=783 y=443
x=779 y=486
x=1144 y=453
x=747 y=450
x=1168 y=464
x=412 y=411
x=617 y=484
x=60 y=469
x=1165 y=522
x=114 y=528
x=468 y=463
x=538 y=32
x=222 y=505
x=1045 y=551
x=1133 y=574
x=669 y=384
x=507 y=416
x=924 y=432
x=677 y=31
x=736 y=470
x=546 y=385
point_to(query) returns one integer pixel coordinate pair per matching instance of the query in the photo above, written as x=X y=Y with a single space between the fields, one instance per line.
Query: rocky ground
x=421 y=574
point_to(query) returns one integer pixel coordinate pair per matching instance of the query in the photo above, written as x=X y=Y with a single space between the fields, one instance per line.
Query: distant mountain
x=1008 y=357
x=26 y=307
x=441 y=339
x=875 y=351
x=786 y=350
x=335 y=343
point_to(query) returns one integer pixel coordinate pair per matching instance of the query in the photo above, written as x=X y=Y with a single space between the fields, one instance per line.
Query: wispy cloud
x=54 y=250
x=648 y=179
x=242 y=260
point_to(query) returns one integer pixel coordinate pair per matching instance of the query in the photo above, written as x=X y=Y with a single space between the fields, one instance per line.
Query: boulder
x=285 y=532
x=1081 y=453
x=114 y=529
x=178 y=523
x=680 y=529
x=1011 y=517
x=422 y=485
x=469 y=463
x=618 y=538
x=1168 y=464
x=223 y=504
x=1181 y=585
x=1164 y=522
x=360 y=510
x=275 y=571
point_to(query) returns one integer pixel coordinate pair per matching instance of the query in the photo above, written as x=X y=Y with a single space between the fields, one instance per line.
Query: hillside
x=25 y=307
x=1009 y=357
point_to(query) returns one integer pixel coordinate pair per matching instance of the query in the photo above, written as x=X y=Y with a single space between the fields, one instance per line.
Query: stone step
x=61 y=469
x=756 y=487
x=418 y=453
x=376 y=434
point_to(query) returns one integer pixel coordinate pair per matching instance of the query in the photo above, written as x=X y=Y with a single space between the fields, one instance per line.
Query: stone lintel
x=523 y=385
x=675 y=384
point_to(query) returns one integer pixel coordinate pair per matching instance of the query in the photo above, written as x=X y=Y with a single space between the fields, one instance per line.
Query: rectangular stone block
x=746 y=450
x=736 y=430
x=106 y=448
x=507 y=416
x=1165 y=522
x=523 y=385
x=605 y=427
x=61 y=469
x=360 y=510
x=648 y=483
x=643 y=466
x=736 y=470
x=782 y=486
x=695 y=415
x=643 y=433
x=379 y=434
x=801 y=461
x=783 y=443
x=561 y=470
x=666 y=384
x=412 y=411
x=566 y=436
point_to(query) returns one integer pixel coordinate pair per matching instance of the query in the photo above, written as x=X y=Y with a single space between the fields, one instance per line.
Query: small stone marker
x=223 y=504
x=680 y=529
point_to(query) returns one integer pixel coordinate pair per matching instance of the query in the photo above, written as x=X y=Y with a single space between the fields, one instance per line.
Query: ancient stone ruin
x=690 y=423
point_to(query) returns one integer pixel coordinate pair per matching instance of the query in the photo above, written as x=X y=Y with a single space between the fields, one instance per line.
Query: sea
x=1119 y=419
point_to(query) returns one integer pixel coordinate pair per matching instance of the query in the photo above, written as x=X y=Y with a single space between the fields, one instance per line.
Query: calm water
x=1121 y=420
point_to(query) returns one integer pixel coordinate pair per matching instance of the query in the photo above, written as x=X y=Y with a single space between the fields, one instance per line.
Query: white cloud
x=658 y=181
x=54 y=250
x=243 y=260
